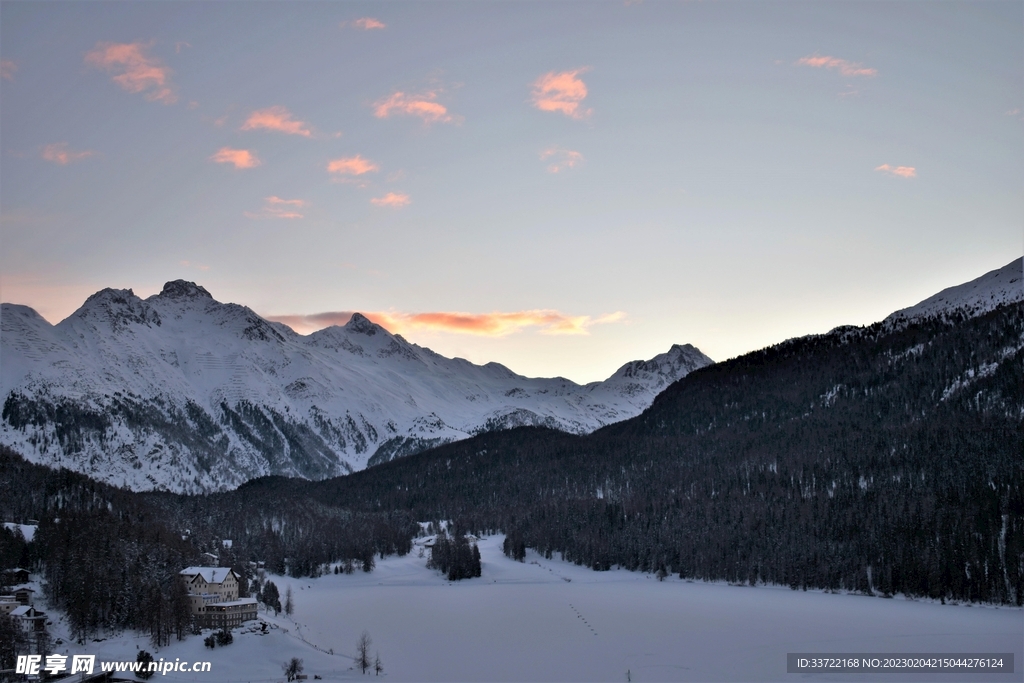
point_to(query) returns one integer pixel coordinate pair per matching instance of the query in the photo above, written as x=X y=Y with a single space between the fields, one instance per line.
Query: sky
x=560 y=187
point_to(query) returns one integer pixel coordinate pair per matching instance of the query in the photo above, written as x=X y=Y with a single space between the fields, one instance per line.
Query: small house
x=8 y=604
x=23 y=595
x=30 y=619
x=16 y=575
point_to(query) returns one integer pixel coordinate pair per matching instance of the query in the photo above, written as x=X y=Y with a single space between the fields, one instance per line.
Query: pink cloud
x=901 y=171
x=356 y=165
x=392 y=199
x=7 y=69
x=136 y=71
x=845 y=68
x=275 y=207
x=561 y=92
x=423 y=105
x=560 y=159
x=496 y=324
x=59 y=153
x=368 y=23
x=241 y=158
x=278 y=119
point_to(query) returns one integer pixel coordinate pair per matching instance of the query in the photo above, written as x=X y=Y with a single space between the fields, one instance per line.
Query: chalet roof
x=209 y=574
x=27 y=612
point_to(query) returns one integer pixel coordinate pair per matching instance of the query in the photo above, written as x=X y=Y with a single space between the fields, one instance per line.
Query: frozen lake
x=547 y=620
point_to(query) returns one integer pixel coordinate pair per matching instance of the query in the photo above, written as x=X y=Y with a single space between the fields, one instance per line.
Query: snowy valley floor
x=547 y=620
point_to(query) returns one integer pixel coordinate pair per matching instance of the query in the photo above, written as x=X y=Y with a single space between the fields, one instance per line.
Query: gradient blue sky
x=736 y=173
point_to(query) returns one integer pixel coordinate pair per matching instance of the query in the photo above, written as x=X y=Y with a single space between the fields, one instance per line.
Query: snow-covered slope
x=973 y=298
x=181 y=392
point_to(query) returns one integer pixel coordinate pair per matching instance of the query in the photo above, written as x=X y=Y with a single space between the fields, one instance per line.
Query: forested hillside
x=110 y=558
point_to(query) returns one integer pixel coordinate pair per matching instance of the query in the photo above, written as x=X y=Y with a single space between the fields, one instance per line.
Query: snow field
x=549 y=620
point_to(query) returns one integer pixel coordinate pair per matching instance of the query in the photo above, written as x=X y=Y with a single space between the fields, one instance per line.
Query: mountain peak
x=361 y=324
x=109 y=294
x=119 y=307
x=183 y=289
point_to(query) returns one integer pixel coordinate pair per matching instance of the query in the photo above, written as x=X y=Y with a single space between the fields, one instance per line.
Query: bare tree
x=293 y=668
x=377 y=666
x=363 y=652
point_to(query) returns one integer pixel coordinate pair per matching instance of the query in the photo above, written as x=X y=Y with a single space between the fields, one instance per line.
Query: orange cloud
x=276 y=118
x=241 y=158
x=497 y=324
x=7 y=69
x=275 y=207
x=59 y=153
x=136 y=71
x=368 y=23
x=902 y=171
x=560 y=159
x=844 y=67
x=562 y=92
x=422 y=105
x=356 y=165
x=391 y=199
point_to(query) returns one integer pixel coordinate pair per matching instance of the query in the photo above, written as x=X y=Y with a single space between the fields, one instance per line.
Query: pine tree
x=271 y=597
x=477 y=565
x=145 y=659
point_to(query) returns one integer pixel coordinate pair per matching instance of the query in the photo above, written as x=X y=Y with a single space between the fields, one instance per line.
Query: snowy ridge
x=181 y=392
x=974 y=298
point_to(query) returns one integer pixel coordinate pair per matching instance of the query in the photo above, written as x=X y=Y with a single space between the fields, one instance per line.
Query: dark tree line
x=109 y=571
x=455 y=557
x=15 y=551
x=273 y=520
x=514 y=546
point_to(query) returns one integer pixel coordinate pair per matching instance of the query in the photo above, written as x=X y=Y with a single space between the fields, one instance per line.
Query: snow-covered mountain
x=979 y=296
x=184 y=393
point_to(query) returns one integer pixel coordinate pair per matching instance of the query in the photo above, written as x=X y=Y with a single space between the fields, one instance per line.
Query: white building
x=213 y=594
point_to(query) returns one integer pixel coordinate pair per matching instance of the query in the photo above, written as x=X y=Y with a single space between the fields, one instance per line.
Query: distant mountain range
x=183 y=393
